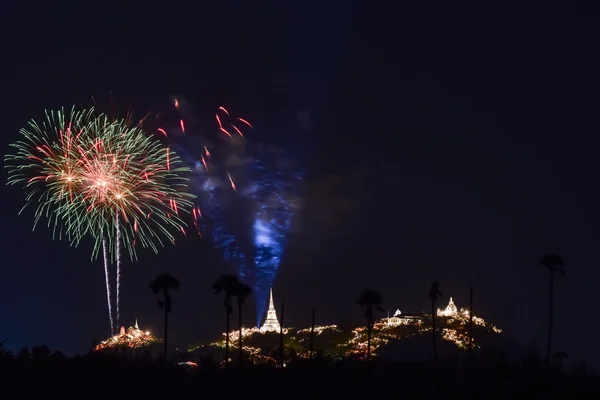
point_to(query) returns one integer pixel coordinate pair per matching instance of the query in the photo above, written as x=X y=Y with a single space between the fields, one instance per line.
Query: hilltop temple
x=452 y=311
x=404 y=319
x=271 y=324
x=449 y=311
x=132 y=337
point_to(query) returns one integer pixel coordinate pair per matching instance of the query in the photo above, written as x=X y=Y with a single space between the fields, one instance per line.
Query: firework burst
x=93 y=176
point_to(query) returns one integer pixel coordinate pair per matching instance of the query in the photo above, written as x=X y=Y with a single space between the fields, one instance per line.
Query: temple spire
x=271 y=323
x=449 y=311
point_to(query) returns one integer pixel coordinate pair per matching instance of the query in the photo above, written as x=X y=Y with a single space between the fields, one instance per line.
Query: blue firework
x=248 y=193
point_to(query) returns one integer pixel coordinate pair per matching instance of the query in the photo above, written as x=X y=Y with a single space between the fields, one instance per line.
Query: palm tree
x=241 y=292
x=554 y=263
x=371 y=301
x=434 y=295
x=226 y=284
x=163 y=284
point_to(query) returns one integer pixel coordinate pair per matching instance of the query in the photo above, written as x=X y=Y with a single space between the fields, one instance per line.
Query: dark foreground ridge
x=41 y=372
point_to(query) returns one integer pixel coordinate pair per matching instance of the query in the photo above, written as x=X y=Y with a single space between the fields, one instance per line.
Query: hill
x=400 y=337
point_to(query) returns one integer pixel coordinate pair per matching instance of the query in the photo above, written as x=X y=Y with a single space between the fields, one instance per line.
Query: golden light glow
x=133 y=338
x=258 y=346
x=319 y=329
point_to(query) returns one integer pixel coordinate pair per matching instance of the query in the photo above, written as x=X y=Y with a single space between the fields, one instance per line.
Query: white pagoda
x=449 y=311
x=271 y=324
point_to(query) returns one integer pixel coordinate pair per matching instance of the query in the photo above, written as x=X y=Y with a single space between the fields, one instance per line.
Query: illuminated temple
x=133 y=338
x=449 y=311
x=271 y=323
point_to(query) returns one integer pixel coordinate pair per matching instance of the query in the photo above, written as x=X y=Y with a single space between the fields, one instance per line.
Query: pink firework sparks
x=246 y=122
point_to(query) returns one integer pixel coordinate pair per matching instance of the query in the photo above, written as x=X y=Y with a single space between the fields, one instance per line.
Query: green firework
x=89 y=175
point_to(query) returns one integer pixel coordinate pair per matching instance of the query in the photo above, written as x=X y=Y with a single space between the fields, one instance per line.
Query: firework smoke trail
x=82 y=168
x=108 y=292
x=118 y=262
x=275 y=191
x=248 y=192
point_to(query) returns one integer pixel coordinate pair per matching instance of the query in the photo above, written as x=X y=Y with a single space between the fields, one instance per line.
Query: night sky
x=456 y=147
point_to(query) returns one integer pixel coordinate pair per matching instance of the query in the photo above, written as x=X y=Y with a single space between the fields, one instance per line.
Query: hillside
x=400 y=337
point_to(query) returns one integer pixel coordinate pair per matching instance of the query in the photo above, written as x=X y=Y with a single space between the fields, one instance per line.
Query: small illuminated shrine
x=271 y=324
x=396 y=319
x=133 y=338
x=449 y=311
x=404 y=319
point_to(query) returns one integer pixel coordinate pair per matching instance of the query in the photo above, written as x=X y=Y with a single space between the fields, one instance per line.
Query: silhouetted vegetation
x=51 y=373
x=371 y=301
x=163 y=284
x=554 y=264
x=241 y=293
x=227 y=284
x=434 y=295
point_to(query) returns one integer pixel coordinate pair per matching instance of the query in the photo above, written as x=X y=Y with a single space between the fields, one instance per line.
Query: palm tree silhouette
x=371 y=301
x=226 y=284
x=434 y=295
x=163 y=284
x=554 y=263
x=241 y=292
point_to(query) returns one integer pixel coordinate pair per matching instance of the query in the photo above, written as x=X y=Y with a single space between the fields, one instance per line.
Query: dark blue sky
x=447 y=148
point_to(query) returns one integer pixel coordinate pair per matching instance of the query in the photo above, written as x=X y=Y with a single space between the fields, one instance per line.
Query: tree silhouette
x=163 y=284
x=23 y=356
x=560 y=356
x=434 y=295
x=227 y=285
x=554 y=263
x=241 y=292
x=4 y=353
x=40 y=354
x=371 y=301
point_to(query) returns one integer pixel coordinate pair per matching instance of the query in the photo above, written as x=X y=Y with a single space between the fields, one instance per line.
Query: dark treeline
x=41 y=371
